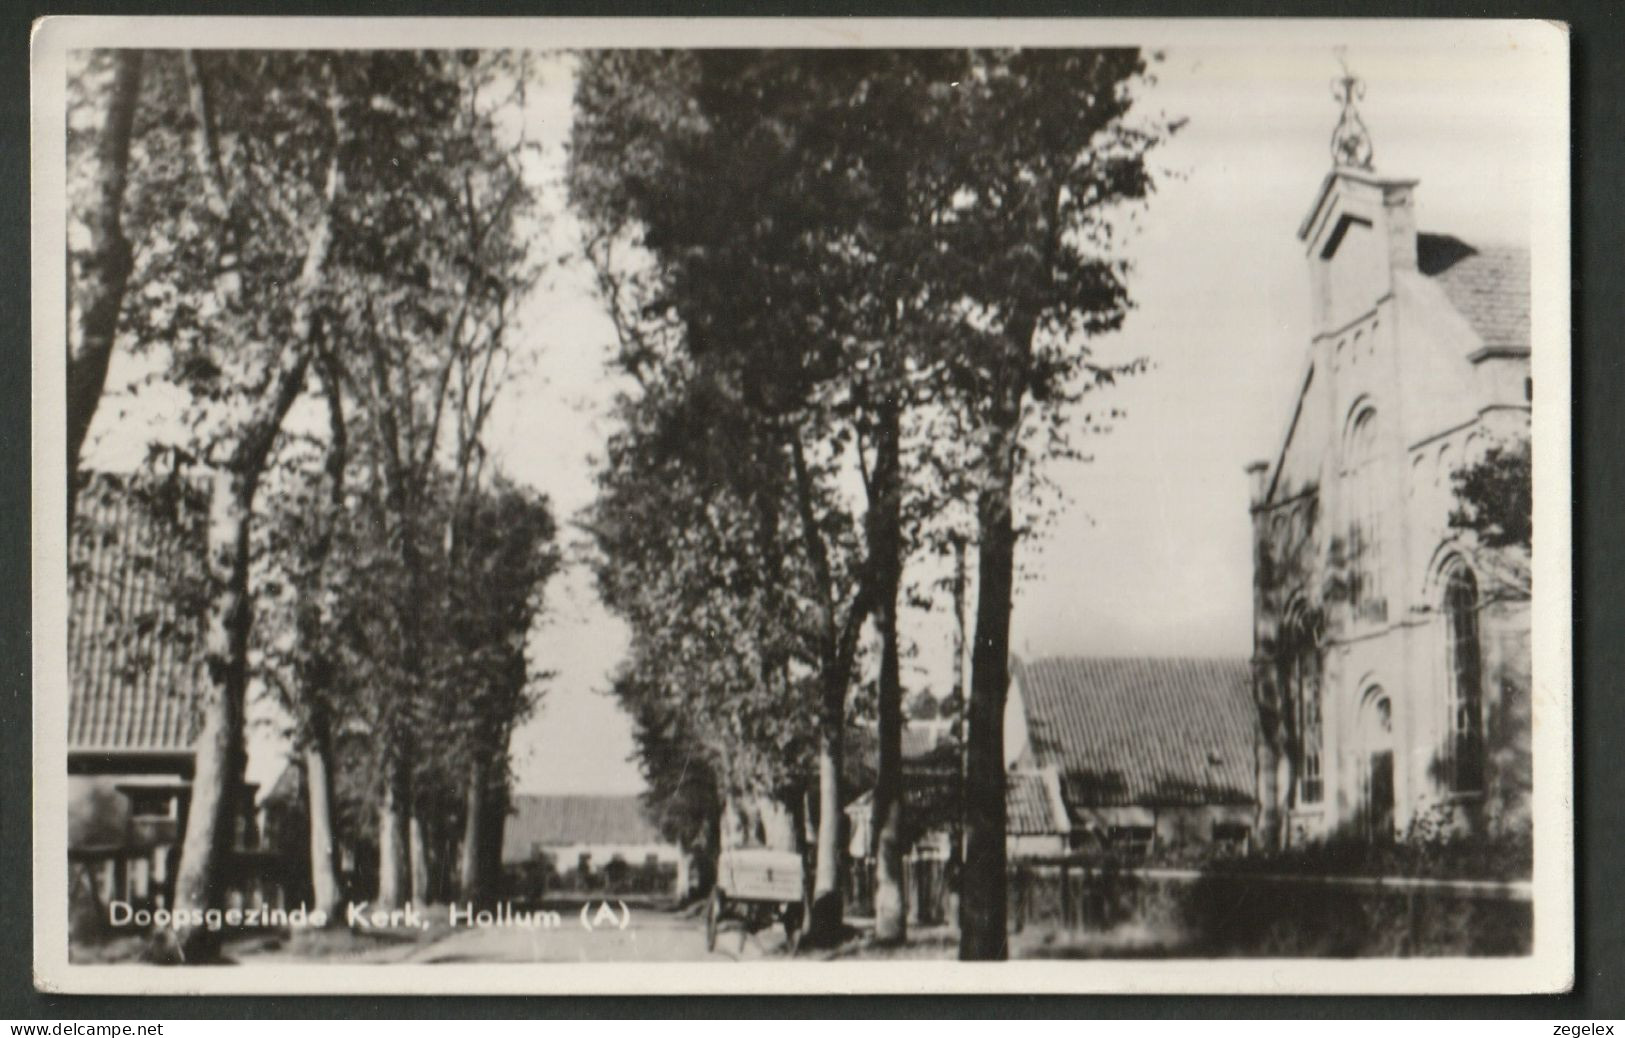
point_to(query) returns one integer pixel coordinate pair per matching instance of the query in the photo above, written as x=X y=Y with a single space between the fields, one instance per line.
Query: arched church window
x=1298 y=660
x=1377 y=764
x=1464 y=667
x=1311 y=780
x=1364 y=514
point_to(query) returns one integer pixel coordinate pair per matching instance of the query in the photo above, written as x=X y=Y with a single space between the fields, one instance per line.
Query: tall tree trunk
x=824 y=921
x=400 y=868
x=470 y=877
x=217 y=782
x=316 y=670
x=886 y=549
x=394 y=853
x=839 y=658
x=217 y=778
x=105 y=270
x=418 y=837
x=324 y=876
x=705 y=856
x=491 y=834
x=982 y=933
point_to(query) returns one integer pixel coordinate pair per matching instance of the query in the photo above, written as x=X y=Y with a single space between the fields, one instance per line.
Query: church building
x=1391 y=648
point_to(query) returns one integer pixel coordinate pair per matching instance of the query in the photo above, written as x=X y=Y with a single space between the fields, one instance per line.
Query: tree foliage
x=1494 y=514
x=360 y=219
x=1495 y=496
x=913 y=250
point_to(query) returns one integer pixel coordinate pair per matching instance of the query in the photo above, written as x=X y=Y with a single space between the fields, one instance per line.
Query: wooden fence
x=1217 y=912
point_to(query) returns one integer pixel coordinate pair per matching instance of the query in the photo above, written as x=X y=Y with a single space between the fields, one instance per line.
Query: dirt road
x=650 y=935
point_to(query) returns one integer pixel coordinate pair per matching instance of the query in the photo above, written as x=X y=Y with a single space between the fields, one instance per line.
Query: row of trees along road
x=855 y=295
x=321 y=254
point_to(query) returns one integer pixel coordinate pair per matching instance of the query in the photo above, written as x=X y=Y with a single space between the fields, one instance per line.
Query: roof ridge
x=1476 y=244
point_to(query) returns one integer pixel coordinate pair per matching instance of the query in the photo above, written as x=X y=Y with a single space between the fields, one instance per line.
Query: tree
x=429 y=327
x=505 y=556
x=1495 y=509
x=832 y=307
x=235 y=293
x=99 y=274
x=306 y=515
x=787 y=298
x=683 y=797
x=271 y=197
x=476 y=682
x=1038 y=155
x=684 y=528
x=646 y=161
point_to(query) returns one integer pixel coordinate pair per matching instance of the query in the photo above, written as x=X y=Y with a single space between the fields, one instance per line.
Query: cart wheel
x=713 y=918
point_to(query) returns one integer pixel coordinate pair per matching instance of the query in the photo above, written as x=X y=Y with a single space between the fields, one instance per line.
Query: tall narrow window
x=1465 y=669
x=1377 y=737
x=1364 y=518
x=1312 y=786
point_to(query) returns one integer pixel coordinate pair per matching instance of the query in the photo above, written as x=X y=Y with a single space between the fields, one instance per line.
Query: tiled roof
x=1489 y=285
x=133 y=645
x=552 y=821
x=1142 y=731
x=927 y=753
x=1027 y=805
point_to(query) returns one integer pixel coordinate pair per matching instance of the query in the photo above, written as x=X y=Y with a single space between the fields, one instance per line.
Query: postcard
x=821 y=506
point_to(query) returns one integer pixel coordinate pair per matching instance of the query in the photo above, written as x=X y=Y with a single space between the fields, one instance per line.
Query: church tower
x=1374 y=636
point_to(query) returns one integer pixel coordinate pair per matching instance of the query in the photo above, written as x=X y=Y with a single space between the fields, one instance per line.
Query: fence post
x=1026 y=894
x=1019 y=916
x=1412 y=924
x=909 y=892
x=1066 y=896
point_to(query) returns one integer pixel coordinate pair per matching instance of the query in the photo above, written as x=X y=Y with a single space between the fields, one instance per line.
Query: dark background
x=1598 y=131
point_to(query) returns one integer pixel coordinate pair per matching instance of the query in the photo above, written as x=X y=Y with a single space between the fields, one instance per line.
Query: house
x=590 y=842
x=1391 y=652
x=135 y=671
x=931 y=774
x=1129 y=754
x=1037 y=823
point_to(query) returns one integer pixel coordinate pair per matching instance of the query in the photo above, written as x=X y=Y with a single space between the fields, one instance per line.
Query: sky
x=1150 y=552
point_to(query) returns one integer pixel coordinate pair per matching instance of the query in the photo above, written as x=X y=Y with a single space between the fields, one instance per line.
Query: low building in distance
x=589 y=843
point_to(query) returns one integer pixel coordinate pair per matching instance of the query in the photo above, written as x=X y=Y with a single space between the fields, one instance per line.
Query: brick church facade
x=1391 y=652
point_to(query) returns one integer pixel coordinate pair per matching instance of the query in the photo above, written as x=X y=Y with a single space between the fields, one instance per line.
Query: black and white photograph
x=677 y=506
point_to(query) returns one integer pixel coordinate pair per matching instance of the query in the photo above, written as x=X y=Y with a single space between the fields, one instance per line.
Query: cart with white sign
x=757 y=887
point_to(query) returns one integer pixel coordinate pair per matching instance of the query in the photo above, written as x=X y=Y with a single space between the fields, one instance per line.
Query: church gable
x=1371 y=647
x=1464 y=335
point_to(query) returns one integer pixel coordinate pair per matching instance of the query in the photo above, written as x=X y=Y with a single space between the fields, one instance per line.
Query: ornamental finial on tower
x=1351 y=141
